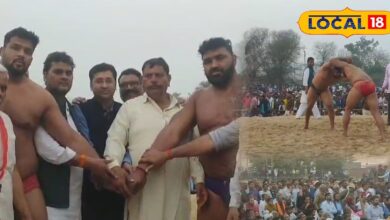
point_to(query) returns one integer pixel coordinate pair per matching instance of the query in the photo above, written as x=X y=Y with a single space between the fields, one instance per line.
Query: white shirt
x=328 y=207
x=51 y=151
x=166 y=194
x=6 y=198
x=386 y=81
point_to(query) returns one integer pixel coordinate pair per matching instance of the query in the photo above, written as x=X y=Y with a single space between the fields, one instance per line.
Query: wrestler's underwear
x=316 y=90
x=365 y=87
x=30 y=183
x=219 y=187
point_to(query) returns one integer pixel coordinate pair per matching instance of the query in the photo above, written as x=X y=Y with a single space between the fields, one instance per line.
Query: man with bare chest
x=30 y=106
x=209 y=109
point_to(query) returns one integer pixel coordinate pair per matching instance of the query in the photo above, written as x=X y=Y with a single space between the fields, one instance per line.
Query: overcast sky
x=125 y=33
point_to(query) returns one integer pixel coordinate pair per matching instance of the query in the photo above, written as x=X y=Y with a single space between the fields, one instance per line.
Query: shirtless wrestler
x=338 y=69
x=209 y=109
x=30 y=106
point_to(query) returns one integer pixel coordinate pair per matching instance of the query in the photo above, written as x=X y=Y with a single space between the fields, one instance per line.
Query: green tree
x=269 y=55
x=366 y=55
x=255 y=42
x=362 y=51
x=281 y=53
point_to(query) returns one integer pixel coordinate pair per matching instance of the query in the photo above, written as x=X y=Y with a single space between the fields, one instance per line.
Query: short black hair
x=22 y=33
x=57 y=57
x=215 y=43
x=130 y=71
x=101 y=67
x=310 y=58
x=159 y=61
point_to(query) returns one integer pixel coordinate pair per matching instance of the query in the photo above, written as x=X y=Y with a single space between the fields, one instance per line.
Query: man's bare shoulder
x=202 y=93
x=41 y=94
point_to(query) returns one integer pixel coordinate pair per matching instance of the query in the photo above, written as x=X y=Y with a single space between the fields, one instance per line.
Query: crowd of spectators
x=267 y=100
x=318 y=198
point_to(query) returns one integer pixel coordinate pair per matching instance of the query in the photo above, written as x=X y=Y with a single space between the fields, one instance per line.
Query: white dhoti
x=303 y=107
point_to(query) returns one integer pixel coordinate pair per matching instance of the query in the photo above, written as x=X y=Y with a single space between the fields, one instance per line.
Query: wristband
x=82 y=160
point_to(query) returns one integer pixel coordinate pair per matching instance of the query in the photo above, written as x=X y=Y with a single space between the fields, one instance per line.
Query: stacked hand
x=99 y=168
x=137 y=179
x=120 y=184
x=154 y=157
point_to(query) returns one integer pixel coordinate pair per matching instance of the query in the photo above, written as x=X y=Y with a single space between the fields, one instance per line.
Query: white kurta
x=166 y=194
x=6 y=199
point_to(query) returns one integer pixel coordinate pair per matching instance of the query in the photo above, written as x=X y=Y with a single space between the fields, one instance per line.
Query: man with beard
x=130 y=85
x=375 y=211
x=338 y=69
x=11 y=188
x=30 y=106
x=209 y=109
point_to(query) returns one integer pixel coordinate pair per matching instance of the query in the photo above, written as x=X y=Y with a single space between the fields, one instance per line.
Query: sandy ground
x=284 y=137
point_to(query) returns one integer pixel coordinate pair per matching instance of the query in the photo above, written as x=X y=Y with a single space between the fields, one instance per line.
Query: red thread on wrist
x=169 y=154
x=82 y=160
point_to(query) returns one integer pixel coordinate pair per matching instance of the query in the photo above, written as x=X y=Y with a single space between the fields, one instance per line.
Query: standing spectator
x=308 y=76
x=264 y=106
x=246 y=103
x=386 y=89
x=253 y=110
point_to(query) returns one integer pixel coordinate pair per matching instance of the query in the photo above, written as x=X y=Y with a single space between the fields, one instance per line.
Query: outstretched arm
x=180 y=125
x=55 y=124
x=51 y=151
x=220 y=139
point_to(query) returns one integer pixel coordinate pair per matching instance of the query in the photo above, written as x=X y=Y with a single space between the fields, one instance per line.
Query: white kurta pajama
x=51 y=151
x=166 y=194
x=6 y=199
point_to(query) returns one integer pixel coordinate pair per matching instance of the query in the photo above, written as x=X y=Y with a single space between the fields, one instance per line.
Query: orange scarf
x=281 y=209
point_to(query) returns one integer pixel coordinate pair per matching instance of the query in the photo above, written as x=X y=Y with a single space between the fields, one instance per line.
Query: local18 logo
x=346 y=22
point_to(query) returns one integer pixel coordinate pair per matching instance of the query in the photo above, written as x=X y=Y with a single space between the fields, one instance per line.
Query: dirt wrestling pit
x=284 y=137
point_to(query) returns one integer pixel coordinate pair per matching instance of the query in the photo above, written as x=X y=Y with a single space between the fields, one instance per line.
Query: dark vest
x=55 y=179
x=311 y=76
